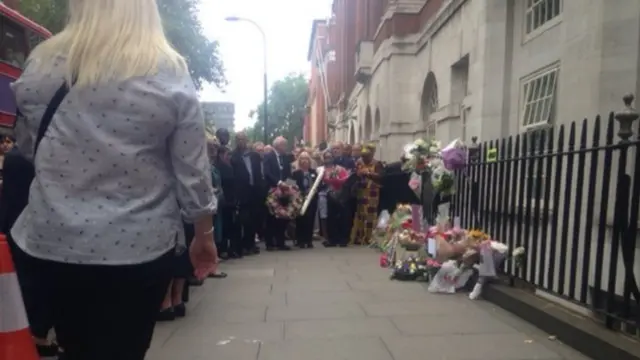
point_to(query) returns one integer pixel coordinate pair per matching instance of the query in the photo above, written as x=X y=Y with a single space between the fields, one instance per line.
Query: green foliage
x=182 y=26
x=286 y=110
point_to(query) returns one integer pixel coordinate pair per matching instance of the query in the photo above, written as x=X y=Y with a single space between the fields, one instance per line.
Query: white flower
x=518 y=252
x=420 y=143
x=499 y=247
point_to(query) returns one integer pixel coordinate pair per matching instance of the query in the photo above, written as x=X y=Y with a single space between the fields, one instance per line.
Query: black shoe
x=301 y=245
x=271 y=248
x=180 y=310
x=328 y=244
x=343 y=245
x=195 y=282
x=234 y=255
x=50 y=350
x=255 y=250
x=218 y=275
x=224 y=256
x=166 y=315
x=310 y=246
x=283 y=248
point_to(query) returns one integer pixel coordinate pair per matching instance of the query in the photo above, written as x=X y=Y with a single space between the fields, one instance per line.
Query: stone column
x=492 y=70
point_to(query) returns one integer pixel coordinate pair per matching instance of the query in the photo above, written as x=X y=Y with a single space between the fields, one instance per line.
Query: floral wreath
x=284 y=201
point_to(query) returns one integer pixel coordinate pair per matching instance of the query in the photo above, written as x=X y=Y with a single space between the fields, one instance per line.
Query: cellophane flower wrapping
x=380 y=232
x=443 y=179
x=455 y=155
x=336 y=177
x=284 y=201
x=449 y=278
x=418 y=155
x=415 y=183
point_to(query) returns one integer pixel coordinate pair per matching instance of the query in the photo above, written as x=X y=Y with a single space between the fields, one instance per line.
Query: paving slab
x=337 y=304
x=324 y=349
x=339 y=328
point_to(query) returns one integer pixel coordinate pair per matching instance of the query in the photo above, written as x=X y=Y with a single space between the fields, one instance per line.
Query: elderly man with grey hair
x=277 y=168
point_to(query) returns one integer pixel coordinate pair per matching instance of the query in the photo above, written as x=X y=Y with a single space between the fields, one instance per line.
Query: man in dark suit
x=248 y=191
x=277 y=168
x=223 y=136
x=395 y=188
x=342 y=156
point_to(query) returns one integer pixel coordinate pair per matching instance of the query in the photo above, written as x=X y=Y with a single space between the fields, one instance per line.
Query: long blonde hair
x=110 y=40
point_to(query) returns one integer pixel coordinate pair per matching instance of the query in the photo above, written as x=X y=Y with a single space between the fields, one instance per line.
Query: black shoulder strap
x=49 y=112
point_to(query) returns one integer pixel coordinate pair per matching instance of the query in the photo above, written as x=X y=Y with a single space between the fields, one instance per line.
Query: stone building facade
x=219 y=114
x=477 y=68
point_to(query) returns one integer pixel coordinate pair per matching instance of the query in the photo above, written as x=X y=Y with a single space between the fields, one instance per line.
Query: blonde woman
x=304 y=177
x=124 y=157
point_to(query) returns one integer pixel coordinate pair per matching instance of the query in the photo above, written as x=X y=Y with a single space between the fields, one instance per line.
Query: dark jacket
x=272 y=171
x=244 y=191
x=298 y=176
x=228 y=184
x=18 y=174
x=346 y=162
x=395 y=188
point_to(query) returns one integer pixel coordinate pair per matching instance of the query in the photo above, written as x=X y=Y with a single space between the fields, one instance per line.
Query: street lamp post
x=264 y=64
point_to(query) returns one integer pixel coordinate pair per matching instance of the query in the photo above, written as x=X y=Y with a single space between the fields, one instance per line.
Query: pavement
x=338 y=304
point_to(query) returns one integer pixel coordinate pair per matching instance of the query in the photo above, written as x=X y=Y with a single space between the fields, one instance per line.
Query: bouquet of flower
x=442 y=179
x=336 y=177
x=284 y=201
x=419 y=154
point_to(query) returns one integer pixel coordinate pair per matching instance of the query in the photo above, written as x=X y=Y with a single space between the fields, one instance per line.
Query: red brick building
x=332 y=51
x=315 y=125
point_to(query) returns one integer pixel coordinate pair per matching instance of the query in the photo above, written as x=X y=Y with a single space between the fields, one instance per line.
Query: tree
x=286 y=109
x=181 y=23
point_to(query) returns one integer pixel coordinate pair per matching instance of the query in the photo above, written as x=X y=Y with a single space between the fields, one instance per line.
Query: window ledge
x=539 y=31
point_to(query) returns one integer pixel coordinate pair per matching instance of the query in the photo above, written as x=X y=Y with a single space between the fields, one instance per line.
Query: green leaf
x=181 y=23
x=287 y=108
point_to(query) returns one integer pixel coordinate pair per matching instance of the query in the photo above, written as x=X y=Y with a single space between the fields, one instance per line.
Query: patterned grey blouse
x=118 y=166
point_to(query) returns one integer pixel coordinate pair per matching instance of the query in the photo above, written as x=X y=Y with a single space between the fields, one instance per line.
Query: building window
x=538 y=98
x=431 y=130
x=540 y=13
x=14 y=44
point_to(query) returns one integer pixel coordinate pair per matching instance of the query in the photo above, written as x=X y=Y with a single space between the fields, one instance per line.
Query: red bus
x=18 y=35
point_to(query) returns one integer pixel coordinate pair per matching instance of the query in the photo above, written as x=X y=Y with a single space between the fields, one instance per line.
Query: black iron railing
x=569 y=195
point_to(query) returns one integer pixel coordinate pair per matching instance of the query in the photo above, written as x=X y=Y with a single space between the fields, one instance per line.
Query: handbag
x=19 y=171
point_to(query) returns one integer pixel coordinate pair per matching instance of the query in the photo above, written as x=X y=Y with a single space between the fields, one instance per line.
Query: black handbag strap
x=55 y=102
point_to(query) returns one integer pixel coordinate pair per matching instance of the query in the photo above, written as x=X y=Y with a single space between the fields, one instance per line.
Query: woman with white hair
x=123 y=158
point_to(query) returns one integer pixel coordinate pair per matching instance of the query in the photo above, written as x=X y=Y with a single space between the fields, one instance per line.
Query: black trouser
x=222 y=243
x=103 y=312
x=230 y=231
x=304 y=225
x=338 y=219
x=40 y=316
x=351 y=208
x=247 y=218
x=275 y=231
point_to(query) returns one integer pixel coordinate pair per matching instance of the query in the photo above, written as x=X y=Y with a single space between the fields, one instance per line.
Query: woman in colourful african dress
x=368 y=196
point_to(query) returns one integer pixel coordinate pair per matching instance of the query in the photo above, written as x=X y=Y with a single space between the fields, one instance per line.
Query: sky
x=287 y=26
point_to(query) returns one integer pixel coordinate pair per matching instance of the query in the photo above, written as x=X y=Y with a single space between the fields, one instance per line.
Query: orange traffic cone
x=16 y=342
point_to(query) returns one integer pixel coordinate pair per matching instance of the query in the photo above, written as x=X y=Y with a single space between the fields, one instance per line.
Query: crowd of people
x=244 y=175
